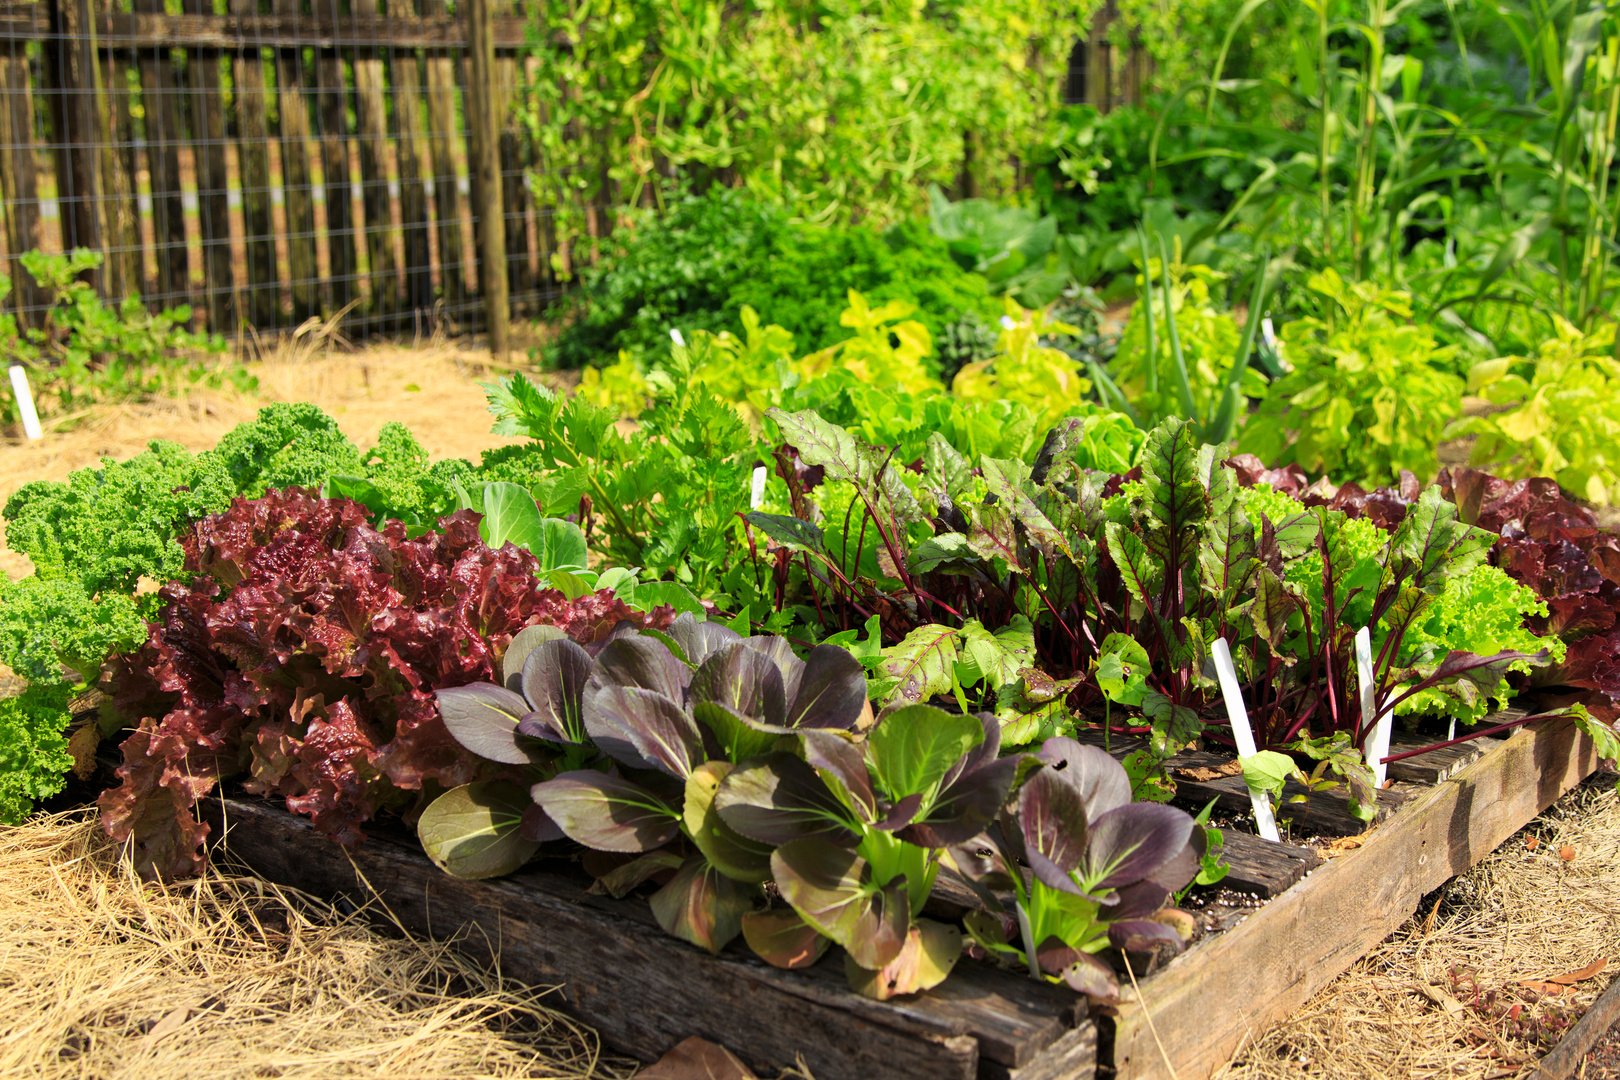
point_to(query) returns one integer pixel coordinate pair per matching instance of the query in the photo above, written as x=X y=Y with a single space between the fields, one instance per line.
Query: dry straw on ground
x=105 y=976
x=1470 y=987
x=431 y=386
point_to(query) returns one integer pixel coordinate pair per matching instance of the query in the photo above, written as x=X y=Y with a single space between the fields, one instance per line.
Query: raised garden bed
x=645 y=991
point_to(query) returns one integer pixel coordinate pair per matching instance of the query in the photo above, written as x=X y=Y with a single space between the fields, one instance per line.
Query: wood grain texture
x=514 y=182
x=405 y=85
x=297 y=189
x=123 y=274
x=342 y=238
x=1262 y=867
x=1072 y=1056
x=1322 y=814
x=1206 y=1002
x=1433 y=766
x=374 y=144
x=19 y=184
x=443 y=138
x=262 y=300
x=484 y=126
x=213 y=185
x=165 y=130
x=645 y=991
x=154 y=29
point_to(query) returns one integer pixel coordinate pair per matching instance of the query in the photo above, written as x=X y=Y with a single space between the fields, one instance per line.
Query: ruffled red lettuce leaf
x=304 y=655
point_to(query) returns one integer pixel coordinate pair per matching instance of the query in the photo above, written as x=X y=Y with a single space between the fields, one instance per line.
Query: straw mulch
x=106 y=976
x=431 y=386
x=1486 y=977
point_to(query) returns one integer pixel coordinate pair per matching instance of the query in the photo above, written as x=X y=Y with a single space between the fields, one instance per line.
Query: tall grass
x=1368 y=150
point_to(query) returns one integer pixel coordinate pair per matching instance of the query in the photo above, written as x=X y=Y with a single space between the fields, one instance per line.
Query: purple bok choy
x=1101 y=871
x=858 y=824
x=624 y=751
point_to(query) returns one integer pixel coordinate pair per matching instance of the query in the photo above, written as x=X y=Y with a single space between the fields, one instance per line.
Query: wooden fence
x=266 y=160
x=269 y=161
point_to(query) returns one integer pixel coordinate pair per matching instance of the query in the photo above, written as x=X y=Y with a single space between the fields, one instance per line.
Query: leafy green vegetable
x=1101 y=870
x=700 y=263
x=1559 y=414
x=34 y=756
x=1370 y=389
x=80 y=350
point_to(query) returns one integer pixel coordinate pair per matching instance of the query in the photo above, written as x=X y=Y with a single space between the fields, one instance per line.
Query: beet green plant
x=1123 y=583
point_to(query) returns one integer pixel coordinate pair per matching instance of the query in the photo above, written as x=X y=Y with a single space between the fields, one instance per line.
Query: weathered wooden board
x=1325 y=814
x=1433 y=766
x=1205 y=1003
x=1261 y=867
x=621 y=973
x=645 y=991
x=1564 y=1060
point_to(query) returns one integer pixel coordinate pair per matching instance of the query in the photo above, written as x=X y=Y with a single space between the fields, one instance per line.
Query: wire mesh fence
x=264 y=161
x=270 y=161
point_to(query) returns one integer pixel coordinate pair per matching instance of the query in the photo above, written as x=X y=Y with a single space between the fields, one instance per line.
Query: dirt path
x=432 y=388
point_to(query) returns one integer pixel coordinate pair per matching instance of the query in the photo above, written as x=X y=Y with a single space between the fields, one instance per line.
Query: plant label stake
x=1242 y=734
x=25 y=402
x=1375 y=731
x=757 y=495
x=1268 y=335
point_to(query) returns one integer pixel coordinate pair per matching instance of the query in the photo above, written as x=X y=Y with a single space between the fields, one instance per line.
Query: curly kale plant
x=103 y=538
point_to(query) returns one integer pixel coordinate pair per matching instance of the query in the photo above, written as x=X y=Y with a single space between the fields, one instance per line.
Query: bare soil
x=432 y=387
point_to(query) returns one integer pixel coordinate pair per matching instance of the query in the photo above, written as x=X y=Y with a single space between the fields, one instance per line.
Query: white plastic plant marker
x=757 y=495
x=1268 y=334
x=1376 y=746
x=25 y=402
x=675 y=336
x=1265 y=822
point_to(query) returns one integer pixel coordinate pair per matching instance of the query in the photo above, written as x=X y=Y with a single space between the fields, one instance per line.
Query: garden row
x=918 y=702
x=907 y=640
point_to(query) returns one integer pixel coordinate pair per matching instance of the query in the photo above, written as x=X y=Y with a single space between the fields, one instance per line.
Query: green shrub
x=1559 y=414
x=697 y=266
x=83 y=350
x=1370 y=390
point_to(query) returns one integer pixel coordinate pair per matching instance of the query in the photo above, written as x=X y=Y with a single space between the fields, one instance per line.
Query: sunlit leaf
x=475 y=831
